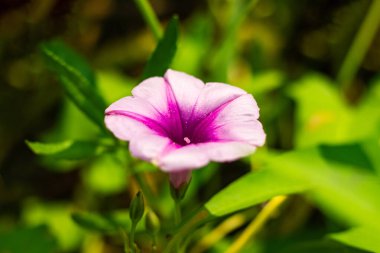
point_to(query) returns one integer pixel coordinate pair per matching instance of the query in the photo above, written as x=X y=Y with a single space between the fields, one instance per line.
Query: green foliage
x=323 y=144
x=348 y=194
x=320 y=110
x=96 y=222
x=70 y=150
x=252 y=189
x=365 y=238
x=56 y=216
x=77 y=79
x=164 y=53
x=37 y=239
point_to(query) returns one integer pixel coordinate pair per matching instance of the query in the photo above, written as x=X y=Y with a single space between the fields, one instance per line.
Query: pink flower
x=179 y=123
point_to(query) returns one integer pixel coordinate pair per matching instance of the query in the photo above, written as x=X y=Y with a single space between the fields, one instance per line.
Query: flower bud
x=136 y=208
x=179 y=182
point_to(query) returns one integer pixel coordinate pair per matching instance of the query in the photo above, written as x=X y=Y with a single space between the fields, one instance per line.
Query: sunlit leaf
x=347 y=194
x=164 y=53
x=365 y=238
x=318 y=246
x=69 y=149
x=252 y=189
x=322 y=117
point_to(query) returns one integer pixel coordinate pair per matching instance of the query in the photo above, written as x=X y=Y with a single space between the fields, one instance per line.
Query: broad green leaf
x=362 y=237
x=252 y=189
x=366 y=120
x=76 y=78
x=70 y=150
x=164 y=53
x=27 y=239
x=322 y=117
x=348 y=194
x=351 y=154
x=318 y=246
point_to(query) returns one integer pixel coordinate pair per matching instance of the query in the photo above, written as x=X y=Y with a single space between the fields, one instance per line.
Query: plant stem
x=177 y=212
x=150 y=17
x=199 y=218
x=132 y=238
x=257 y=224
x=360 y=45
x=220 y=231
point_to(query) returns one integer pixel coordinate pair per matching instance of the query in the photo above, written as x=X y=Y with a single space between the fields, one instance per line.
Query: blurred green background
x=311 y=65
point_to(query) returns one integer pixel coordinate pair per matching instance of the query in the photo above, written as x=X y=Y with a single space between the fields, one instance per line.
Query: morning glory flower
x=180 y=123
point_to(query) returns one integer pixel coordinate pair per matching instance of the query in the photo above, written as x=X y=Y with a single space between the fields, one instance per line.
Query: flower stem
x=257 y=224
x=360 y=45
x=150 y=17
x=185 y=228
x=132 y=238
x=177 y=211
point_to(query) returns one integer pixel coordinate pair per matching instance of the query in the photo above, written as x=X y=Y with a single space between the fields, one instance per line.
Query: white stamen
x=187 y=140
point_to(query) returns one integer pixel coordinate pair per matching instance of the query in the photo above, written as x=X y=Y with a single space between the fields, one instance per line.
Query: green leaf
x=252 y=189
x=362 y=237
x=70 y=150
x=164 y=53
x=322 y=117
x=27 y=239
x=81 y=100
x=76 y=77
x=345 y=193
x=95 y=222
x=64 y=61
x=351 y=154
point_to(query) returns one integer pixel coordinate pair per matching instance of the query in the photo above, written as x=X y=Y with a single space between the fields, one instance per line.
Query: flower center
x=187 y=140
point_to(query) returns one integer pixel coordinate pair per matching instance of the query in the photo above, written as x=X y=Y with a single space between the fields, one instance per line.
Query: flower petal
x=149 y=146
x=226 y=151
x=238 y=121
x=183 y=158
x=233 y=121
x=186 y=90
x=132 y=116
x=153 y=90
x=195 y=156
x=214 y=95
